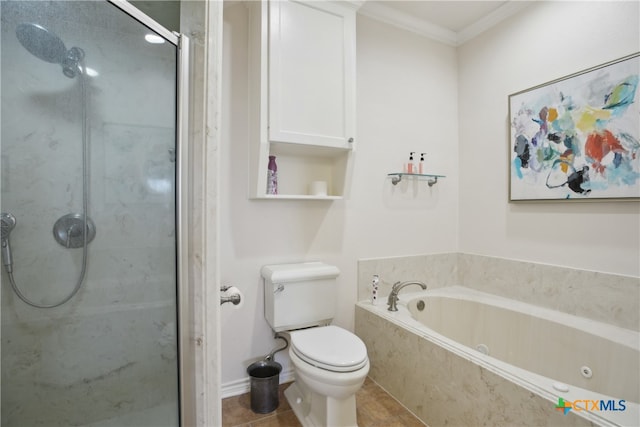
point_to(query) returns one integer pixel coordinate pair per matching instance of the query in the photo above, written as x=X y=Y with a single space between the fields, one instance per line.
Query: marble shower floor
x=374 y=406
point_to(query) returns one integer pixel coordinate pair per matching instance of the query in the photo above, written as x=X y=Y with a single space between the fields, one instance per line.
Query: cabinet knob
x=350 y=140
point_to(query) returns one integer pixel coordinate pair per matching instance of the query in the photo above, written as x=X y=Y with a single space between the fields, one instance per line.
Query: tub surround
x=448 y=390
x=434 y=270
x=604 y=297
x=428 y=389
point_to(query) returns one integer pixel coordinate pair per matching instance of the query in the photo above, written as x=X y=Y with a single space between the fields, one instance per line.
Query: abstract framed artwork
x=578 y=137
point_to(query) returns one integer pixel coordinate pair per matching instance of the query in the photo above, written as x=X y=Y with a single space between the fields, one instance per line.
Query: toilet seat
x=330 y=348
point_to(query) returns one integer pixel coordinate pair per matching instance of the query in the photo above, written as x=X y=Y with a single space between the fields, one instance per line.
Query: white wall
x=546 y=41
x=406 y=101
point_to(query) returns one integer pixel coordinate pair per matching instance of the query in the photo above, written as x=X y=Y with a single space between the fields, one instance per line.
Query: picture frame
x=578 y=137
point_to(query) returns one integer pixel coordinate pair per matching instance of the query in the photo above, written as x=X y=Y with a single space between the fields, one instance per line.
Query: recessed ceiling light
x=154 y=38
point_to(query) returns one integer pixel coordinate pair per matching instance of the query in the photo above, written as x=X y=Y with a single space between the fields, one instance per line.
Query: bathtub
x=458 y=356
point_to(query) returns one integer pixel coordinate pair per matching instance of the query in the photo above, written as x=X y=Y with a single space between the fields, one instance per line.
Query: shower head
x=7 y=222
x=48 y=47
x=41 y=43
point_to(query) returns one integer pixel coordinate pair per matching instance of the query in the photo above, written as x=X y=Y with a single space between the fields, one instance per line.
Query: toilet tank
x=299 y=295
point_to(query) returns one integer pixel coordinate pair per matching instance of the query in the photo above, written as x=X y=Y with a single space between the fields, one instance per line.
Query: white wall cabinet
x=302 y=95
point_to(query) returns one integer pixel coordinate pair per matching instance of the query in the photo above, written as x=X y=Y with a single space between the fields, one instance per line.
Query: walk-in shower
x=88 y=216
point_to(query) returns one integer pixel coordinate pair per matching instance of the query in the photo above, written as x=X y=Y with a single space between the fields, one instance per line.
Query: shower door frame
x=181 y=197
x=181 y=42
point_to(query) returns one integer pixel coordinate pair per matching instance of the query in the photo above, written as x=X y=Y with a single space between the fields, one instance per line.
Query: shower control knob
x=68 y=230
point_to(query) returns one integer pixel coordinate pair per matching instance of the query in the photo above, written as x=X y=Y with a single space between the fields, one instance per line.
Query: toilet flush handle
x=279 y=289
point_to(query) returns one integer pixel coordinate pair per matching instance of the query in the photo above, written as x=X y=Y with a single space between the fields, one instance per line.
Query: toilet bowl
x=330 y=365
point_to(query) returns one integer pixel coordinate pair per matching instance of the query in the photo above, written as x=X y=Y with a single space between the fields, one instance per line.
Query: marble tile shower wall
x=114 y=337
x=604 y=297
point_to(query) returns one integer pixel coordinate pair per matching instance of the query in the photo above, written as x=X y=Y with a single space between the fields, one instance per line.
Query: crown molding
x=502 y=13
x=433 y=31
x=407 y=22
x=355 y=4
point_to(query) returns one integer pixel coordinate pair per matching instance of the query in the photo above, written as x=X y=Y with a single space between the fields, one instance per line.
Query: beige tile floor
x=375 y=408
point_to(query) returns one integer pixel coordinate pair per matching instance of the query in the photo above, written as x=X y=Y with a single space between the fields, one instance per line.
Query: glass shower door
x=88 y=179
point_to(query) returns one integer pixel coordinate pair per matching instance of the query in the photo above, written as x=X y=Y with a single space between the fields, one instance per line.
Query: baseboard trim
x=242 y=386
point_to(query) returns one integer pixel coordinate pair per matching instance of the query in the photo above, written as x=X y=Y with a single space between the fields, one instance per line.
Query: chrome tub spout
x=392 y=301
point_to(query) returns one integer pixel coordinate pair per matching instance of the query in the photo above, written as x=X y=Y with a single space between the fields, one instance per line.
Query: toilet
x=330 y=363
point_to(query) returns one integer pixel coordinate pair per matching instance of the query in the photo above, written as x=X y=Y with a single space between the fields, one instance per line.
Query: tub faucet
x=392 y=301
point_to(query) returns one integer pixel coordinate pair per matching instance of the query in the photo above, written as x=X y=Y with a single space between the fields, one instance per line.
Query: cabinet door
x=311 y=73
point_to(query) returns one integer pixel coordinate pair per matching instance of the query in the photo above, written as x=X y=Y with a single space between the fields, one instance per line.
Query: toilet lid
x=330 y=347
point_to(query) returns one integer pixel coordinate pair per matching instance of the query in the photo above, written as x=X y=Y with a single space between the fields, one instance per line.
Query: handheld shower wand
x=7 y=222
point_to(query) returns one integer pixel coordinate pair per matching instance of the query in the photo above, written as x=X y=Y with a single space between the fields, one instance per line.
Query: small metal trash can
x=265 y=378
